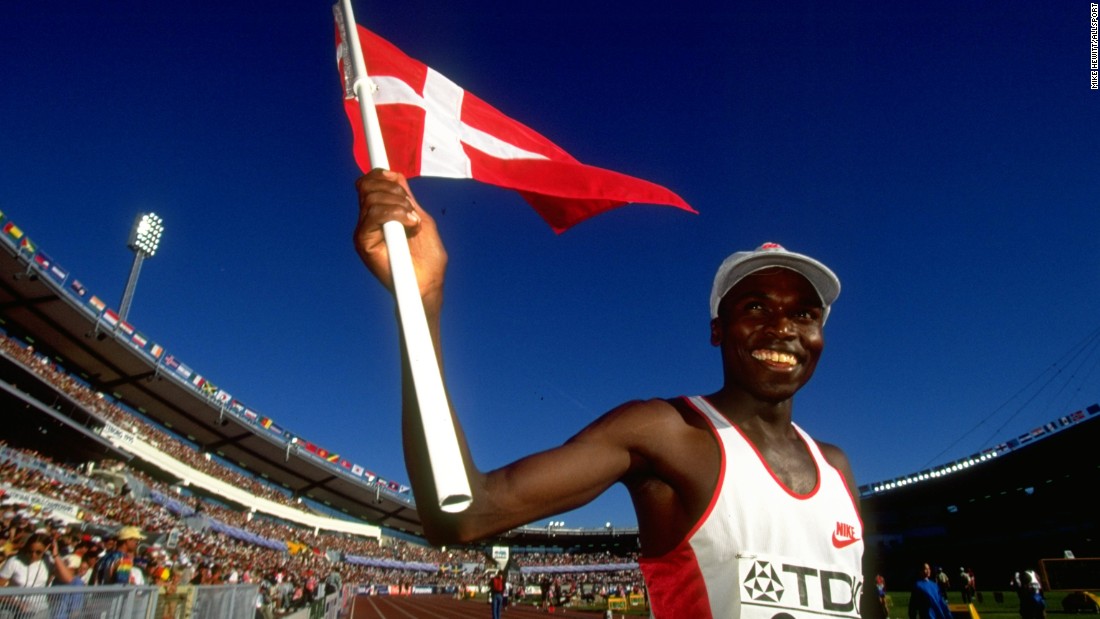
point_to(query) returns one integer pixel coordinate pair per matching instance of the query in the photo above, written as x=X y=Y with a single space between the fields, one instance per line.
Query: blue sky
x=943 y=159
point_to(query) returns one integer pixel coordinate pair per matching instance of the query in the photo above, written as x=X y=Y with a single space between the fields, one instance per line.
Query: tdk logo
x=797 y=587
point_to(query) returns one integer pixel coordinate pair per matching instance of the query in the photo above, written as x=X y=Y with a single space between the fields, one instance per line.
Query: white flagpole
x=451 y=484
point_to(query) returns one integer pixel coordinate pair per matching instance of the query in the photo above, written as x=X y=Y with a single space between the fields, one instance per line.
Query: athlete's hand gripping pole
x=448 y=472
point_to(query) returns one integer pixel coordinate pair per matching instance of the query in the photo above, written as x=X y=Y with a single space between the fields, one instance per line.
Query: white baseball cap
x=743 y=263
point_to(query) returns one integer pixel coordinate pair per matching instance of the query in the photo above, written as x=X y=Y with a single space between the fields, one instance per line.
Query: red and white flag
x=432 y=127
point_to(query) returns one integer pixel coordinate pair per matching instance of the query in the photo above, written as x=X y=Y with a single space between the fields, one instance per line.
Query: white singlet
x=761 y=551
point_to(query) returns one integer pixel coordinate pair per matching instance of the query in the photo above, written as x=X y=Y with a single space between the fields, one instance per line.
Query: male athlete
x=740 y=513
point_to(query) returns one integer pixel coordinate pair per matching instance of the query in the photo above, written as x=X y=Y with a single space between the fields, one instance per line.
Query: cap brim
x=824 y=281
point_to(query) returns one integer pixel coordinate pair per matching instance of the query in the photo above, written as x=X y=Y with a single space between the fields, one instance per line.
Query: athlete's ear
x=715 y=332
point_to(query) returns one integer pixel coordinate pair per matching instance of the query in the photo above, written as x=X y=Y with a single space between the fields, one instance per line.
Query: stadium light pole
x=144 y=239
x=553 y=524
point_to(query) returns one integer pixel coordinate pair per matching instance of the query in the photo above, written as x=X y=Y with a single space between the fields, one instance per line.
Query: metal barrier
x=208 y=602
x=98 y=602
x=326 y=608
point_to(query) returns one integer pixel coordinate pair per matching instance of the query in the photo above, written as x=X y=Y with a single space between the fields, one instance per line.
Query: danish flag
x=433 y=127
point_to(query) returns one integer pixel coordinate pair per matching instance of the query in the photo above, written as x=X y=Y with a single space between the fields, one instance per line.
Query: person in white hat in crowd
x=740 y=512
x=116 y=566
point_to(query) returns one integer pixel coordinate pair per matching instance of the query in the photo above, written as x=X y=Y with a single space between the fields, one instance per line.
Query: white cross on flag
x=432 y=127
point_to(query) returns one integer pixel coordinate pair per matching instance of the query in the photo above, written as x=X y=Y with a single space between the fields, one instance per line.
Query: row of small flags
x=1053 y=426
x=110 y=320
x=1036 y=433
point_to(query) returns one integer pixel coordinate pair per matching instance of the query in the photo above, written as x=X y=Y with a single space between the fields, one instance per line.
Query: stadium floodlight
x=144 y=240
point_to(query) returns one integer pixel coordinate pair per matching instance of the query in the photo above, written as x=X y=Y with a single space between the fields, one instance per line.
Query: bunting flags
x=177 y=367
x=110 y=317
x=58 y=273
x=13 y=231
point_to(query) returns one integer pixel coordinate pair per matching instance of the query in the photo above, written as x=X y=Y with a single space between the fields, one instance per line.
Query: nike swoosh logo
x=842 y=543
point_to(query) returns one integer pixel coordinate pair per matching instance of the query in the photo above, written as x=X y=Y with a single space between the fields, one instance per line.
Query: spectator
x=943 y=581
x=926 y=601
x=7 y=524
x=79 y=551
x=333 y=582
x=1033 y=603
x=87 y=564
x=116 y=567
x=544 y=588
x=34 y=566
x=964 y=585
x=883 y=600
x=496 y=593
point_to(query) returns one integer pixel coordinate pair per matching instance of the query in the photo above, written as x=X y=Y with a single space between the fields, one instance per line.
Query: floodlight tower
x=144 y=239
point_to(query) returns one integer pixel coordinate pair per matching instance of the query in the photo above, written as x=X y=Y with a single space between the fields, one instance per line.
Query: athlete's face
x=770 y=333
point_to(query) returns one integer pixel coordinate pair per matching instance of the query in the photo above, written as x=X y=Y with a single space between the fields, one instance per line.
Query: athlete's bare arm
x=663 y=454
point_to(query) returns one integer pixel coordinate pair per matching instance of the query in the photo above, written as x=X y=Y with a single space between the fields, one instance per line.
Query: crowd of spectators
x=197 y=539
x=109 y=411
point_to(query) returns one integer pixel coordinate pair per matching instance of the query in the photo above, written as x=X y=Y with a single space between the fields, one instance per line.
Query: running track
x=446 y=607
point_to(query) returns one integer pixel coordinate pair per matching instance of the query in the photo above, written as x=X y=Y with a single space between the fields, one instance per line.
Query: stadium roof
x=42 y=303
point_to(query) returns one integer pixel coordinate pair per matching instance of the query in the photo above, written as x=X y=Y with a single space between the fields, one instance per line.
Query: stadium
x=106 y=428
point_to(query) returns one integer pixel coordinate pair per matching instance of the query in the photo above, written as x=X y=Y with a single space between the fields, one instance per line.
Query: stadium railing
x=201 y=601
x=98 y=601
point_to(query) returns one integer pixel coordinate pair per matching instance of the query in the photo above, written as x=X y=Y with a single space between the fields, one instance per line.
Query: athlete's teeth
x=775 y=357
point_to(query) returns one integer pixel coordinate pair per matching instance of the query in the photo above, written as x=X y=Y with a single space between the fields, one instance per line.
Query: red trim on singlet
x=847 y=489
x=721 y=471
x=768 y=468
x=676 y=575
x=675 y=582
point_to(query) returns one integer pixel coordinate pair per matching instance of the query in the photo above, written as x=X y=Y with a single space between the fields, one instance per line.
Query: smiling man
x=740 y=513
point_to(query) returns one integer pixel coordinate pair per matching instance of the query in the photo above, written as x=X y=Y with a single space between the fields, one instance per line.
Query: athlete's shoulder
x=657 y=413
x=833 y=454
